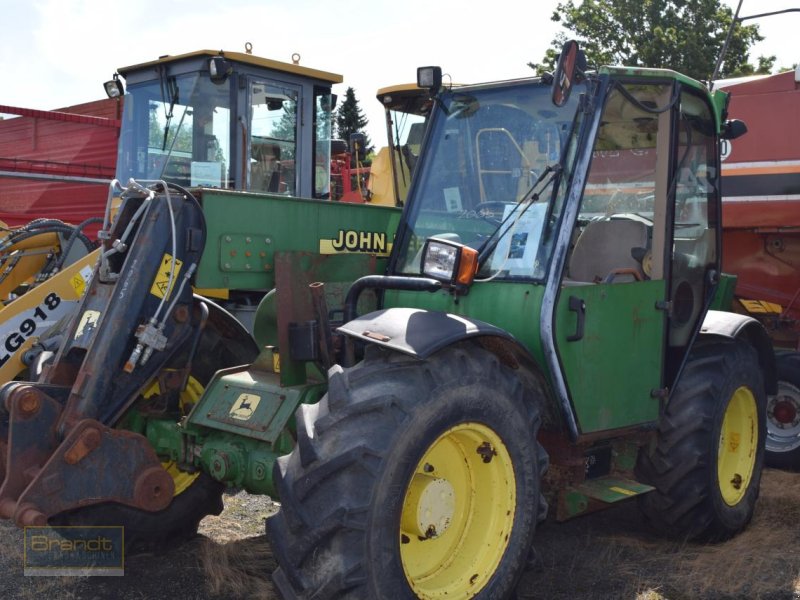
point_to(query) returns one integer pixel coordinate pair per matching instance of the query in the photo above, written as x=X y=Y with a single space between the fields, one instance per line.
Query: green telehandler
x=542 y=336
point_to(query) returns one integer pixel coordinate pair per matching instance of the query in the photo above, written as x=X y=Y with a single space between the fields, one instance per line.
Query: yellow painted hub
x=429 y=506
x=458 y=512
x=189 y=396
x=738 y=443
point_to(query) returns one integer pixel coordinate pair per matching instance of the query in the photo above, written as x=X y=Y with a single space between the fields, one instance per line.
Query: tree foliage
x=350 y=119
x=683 y=35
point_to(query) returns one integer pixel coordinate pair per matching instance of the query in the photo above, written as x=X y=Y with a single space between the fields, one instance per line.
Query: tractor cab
x=584 y=207
x=227 y=120
x=406 y=108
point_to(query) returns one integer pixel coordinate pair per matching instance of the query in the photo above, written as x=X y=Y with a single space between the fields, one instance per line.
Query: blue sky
x=58 y=52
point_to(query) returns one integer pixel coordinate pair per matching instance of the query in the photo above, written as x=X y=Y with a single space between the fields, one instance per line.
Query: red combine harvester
x=761 y=237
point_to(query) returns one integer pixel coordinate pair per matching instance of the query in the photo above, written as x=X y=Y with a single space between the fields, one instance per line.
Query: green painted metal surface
x=612 y=489
x=612 y=370
x=723 y=295
x=233 y=459
x=244 y=231
x=250 y=402
x=242 y=462
x=623 y=327
x=238 y=429
x=514 y=307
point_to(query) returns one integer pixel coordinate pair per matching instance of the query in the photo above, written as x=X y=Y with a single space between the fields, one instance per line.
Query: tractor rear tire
x=707 y=459
x=224 y=343
x=369 y=494
x=783 y=415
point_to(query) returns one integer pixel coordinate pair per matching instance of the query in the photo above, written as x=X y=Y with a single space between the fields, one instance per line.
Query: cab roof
x=240 y=57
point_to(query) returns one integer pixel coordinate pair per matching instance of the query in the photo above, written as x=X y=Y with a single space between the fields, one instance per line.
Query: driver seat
x=605 y=246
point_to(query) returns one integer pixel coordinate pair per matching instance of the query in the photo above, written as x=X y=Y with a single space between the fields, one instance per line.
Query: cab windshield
x=177 y=129
x=493 y=172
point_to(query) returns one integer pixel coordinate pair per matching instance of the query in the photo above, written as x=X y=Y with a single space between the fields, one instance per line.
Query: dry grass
x=236 y=559
x=606 y=556
x=612 y=555
x=762 y=562
x=243 y=517
x=602 y=557
x=238 y=569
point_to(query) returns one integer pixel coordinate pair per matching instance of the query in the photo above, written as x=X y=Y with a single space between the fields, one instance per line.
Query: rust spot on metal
x=736 y=482
x=376 y=336
x=473 y=579
x=88 y=440
x=404 y=539
x=501 y=349
x=153 y=489
x=28 y=401
x=181 y=314
x=28 y=515
x=7 y=508
x=486 y=451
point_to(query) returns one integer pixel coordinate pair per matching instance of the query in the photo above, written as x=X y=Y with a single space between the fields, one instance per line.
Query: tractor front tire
x=783 y=415
x=707 y=459
x=411 y=479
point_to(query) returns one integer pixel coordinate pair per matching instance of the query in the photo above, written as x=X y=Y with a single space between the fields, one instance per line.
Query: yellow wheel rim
x=737 y=446
x=189 y=396
x=458 y=513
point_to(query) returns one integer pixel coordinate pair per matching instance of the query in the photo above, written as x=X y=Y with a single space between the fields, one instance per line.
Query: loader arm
x=137 y=317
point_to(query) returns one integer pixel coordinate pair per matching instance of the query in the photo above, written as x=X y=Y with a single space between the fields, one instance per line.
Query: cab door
x=610 y=318
x=273 y=128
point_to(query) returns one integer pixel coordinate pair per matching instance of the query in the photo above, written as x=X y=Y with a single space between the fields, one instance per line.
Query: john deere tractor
x=547 y=301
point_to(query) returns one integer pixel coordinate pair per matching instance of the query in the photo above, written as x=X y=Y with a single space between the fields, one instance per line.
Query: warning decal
x=161 y=282
x=80 y=280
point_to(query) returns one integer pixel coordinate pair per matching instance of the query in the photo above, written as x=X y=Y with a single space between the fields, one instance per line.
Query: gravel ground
x=606 y=556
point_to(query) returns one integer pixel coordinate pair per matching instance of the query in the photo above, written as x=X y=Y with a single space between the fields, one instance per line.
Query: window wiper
x=550 y=174
x=168 y=84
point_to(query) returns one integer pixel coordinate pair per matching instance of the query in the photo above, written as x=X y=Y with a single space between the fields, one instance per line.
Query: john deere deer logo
x=244 y=407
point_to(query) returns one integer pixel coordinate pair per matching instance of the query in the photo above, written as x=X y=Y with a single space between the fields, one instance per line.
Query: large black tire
x=783 y=415
x=379 y=436
x=707 y=458
x=224 y=343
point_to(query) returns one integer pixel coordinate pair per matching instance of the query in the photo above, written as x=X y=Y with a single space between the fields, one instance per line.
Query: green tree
x=285 y=130
x=684 y=35
x=350 y=119
x=765 y=66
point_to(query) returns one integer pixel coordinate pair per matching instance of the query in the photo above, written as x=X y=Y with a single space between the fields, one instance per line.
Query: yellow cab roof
x=249 y=59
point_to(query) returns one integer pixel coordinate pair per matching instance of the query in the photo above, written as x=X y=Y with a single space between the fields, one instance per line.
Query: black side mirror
x=571 y=64
x=732 y=129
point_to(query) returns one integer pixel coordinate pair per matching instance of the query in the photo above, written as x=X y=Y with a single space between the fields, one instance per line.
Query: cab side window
x=273 y=138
